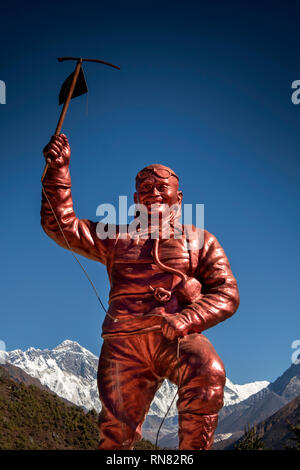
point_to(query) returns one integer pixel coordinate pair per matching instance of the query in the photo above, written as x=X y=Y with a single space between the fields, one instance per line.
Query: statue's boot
x=196 y=432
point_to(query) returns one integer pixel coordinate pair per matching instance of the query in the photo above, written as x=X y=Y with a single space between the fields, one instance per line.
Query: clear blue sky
x=205 y=88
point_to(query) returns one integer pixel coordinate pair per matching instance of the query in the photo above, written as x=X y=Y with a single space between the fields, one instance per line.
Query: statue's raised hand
x=57 y=152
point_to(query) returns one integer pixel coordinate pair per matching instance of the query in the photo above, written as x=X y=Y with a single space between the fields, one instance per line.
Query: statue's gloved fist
x=174 y=325
x=57 y=152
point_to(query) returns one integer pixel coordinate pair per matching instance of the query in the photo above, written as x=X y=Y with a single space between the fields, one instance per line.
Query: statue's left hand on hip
x=174 y=326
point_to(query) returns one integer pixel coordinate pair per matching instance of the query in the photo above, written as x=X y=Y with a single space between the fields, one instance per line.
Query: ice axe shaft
x=67 y=102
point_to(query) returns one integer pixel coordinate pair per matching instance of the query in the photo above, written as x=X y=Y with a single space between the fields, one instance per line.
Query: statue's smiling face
x=156 y=190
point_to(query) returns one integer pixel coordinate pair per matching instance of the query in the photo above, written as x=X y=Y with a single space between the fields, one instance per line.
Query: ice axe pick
x=75 y=85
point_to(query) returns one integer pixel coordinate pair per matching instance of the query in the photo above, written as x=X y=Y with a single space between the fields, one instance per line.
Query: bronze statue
x=163 y=296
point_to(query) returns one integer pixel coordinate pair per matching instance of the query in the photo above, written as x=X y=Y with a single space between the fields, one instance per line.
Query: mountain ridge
x=262 y=404
x=275 y=431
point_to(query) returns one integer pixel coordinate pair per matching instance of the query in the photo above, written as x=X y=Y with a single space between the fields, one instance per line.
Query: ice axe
x=75 y=85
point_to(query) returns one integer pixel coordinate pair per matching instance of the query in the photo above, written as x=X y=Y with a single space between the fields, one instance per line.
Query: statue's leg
x=127 y=386
x=201 y=387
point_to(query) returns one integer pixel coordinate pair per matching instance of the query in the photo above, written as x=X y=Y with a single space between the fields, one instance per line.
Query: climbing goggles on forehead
x=160 y=172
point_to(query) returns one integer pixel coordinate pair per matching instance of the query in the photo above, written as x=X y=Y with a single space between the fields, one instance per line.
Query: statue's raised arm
x=58 y=218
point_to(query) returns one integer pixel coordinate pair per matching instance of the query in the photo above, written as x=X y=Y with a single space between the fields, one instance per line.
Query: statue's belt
x=117 y=335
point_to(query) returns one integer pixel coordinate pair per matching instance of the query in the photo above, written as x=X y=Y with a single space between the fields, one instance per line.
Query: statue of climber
x=164 y=293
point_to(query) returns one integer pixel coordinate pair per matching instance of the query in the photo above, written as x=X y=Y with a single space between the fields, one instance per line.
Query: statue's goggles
x=160 y=172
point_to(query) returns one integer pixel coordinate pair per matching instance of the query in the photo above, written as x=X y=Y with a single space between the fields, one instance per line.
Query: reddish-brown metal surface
x=141 y=348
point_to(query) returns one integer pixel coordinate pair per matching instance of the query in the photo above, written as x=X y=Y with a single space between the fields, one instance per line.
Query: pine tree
x=251 y=440
x=296 y=439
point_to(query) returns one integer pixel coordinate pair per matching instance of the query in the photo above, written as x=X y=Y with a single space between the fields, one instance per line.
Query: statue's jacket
x=132 y=271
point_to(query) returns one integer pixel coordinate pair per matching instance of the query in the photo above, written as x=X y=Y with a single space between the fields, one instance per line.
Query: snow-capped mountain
x=71 y=370
x=234 y=393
